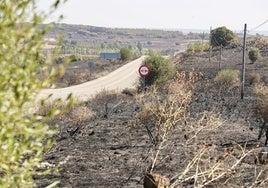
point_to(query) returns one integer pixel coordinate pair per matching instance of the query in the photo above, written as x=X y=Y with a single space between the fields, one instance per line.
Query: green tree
x=161 y=69
x=73 y=42
x=139 y=46
x=125 y=53
x=253 y=54
x=221 y=36
x=23 y=136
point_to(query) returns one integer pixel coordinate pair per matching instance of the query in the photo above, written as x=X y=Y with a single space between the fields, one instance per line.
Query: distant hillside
x=105 y=39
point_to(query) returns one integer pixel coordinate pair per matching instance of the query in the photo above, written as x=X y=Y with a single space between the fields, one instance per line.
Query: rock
x=152 y=180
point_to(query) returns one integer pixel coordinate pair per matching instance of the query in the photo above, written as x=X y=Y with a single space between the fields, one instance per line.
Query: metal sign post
x=90 y=66
x=144 y=71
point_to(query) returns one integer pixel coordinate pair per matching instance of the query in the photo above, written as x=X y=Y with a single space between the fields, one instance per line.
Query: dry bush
x=265 y=79
x=56 y=106
x=262 y=107
x=262 y=91
x=80 y=114
x=73 y=78
x=254 y=78
x=210 y=167
x=147 y=115
x=129 y=92
x=203 y=161
x=262 y=42
x=105 y=96
x=101 y=103
x=166 y=110
x=69 y=119
x=77 y=114
x=262 y=110
x=210 y=164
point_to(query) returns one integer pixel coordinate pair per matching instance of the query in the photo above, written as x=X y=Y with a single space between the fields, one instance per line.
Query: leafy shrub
x=75 y=57
x=41 y=59
x=221 y=36
x=139 y=46
x=161 y=69
x=198 y=47
x=227 y=78
x=253 y=54
x=254 y=78
x=23 y=136
x=125 y=54
x=59 y=59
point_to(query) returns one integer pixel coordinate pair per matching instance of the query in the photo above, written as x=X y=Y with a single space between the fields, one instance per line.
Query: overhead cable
x=259 y=26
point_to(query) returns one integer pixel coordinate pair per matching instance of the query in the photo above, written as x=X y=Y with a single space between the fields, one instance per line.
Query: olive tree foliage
x=23 y=136
x=221 y=36
x=161 y=69
x=125 y=54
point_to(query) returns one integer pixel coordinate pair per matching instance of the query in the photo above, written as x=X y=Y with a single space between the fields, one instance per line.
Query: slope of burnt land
x=105 y=144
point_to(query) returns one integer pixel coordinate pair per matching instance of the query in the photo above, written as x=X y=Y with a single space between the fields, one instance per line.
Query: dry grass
x=103 y=102
x=262 y=42
x=74 y=78
x=55 y=107
x=76 y=114
x=80 y=114
x=262 y=91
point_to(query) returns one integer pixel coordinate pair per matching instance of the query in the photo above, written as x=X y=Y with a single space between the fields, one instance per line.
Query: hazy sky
x=165 y=14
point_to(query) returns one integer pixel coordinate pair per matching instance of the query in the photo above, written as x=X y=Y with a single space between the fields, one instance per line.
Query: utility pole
x=243 y=63
x=210 y=44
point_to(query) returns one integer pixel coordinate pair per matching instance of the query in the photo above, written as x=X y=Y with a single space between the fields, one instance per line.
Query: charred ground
x=104 y=143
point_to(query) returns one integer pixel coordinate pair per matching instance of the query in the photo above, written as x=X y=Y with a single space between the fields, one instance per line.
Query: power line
x=259 y=25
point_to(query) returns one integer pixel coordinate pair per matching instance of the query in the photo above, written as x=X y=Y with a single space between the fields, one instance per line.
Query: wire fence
x=230 y=58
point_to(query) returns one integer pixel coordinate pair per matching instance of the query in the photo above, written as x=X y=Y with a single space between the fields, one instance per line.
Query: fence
x=229 y=59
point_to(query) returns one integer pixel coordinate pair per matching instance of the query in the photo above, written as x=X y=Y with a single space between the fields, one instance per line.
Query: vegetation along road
x=124 y=77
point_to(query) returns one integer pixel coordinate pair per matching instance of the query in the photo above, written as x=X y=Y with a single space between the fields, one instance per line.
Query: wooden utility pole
x=243 y=63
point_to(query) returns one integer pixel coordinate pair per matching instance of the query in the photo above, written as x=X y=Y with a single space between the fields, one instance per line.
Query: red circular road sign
x=144 y=71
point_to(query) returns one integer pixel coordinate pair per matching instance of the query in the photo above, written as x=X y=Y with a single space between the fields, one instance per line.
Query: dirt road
x=124 y=77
